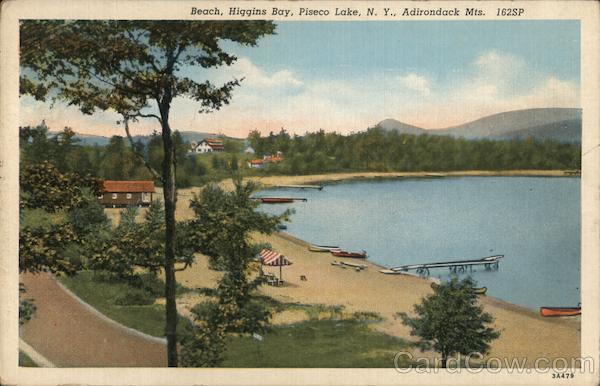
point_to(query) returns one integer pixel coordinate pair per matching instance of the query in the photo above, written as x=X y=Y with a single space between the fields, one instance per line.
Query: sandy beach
x=524 y=334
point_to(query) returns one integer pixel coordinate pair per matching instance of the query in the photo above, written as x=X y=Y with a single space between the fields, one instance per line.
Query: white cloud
x=254 y=76
x=417 y=83
x=494 y=82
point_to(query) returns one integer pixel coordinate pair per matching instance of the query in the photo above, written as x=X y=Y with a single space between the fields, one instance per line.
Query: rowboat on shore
x=560 y=311
x=391 y=272
x=356 y=255
x=278 y=200
x=480 y=290
x=323 y=248
x=354 y=265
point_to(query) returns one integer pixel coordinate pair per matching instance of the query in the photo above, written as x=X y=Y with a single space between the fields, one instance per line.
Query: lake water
x=534 y=222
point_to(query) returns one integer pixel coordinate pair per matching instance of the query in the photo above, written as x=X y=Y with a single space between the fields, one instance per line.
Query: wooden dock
x=317 y=187
x=456 y=266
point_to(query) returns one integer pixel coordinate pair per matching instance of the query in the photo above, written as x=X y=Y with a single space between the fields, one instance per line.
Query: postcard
x=299 y=192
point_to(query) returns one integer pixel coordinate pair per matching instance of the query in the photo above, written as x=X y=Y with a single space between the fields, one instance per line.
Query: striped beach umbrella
x=273 y=259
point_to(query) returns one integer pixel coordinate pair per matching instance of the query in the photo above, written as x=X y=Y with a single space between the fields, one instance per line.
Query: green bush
x=135 y=297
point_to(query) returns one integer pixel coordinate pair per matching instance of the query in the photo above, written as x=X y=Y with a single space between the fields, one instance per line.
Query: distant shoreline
x=330 y=178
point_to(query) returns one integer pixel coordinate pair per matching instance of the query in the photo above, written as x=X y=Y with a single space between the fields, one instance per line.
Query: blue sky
x=347 y=76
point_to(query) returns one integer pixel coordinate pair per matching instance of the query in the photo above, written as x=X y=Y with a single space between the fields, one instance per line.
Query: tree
x=135 y=67
x=451 y=322
x=48 y=199
x=222 y=228
x=133 y=245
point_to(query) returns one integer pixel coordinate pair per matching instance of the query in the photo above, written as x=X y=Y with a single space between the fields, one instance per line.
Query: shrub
x=135 y=297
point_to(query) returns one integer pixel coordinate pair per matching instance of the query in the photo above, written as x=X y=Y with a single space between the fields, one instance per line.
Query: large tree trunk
x=444 y=360
x=170 y=196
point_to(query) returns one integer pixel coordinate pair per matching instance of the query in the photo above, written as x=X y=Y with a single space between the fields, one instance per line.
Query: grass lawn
x=25 y=361
x=330 y=341
x=316 y=343
x=101 y=295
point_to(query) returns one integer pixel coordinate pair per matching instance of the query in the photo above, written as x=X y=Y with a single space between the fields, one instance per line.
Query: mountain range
x=98 y=140
x=560 y=124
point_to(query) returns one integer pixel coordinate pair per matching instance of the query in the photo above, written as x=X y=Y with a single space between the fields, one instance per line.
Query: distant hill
x=400 y=127
x=189 y=136
x=91 y=140
x=564 y=131
x=561 y=124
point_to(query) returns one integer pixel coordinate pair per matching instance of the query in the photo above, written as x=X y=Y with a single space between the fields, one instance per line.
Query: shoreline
x=485 y=299
x=332 y=178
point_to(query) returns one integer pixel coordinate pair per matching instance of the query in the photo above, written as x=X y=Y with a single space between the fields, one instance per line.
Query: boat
x=338 y=264
x=390 y=272
x=356 y=255
x=281 y=227
x=323 y=248
x=560 y=311
x=480 y=290
x=354 y=265
x=275 y=200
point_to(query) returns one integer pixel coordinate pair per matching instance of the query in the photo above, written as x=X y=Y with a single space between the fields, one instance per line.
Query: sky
x=348 y=76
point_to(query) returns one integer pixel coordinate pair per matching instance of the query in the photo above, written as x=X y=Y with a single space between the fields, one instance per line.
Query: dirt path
x=71 y=335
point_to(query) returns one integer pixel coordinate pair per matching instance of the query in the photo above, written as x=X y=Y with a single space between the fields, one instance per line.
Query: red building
x=126 y=193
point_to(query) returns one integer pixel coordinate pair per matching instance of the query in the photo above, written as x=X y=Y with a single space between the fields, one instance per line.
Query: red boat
x=560 y=311
x=357 y=255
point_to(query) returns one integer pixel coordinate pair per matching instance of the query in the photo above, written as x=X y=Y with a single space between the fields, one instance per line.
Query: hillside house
x=208 y=146
x=126 y=193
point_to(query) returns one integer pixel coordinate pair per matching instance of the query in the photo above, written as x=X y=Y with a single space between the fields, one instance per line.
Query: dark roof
x=127 y=186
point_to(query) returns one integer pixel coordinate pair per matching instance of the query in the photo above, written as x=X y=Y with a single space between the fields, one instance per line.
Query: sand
x=524 y=334
x=337 y=177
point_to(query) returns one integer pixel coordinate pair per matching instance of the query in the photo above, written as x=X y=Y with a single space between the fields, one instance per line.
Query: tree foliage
x=136 y=68
x=381 y=150
x=44 y=186
x=49 y=200
x=222 y=228
x=133 y=246
x=451 y=322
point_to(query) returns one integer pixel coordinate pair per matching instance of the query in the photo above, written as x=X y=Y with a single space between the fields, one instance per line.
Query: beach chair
x=303 y=278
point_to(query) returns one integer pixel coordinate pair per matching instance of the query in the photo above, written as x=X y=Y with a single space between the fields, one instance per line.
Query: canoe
x=357 y=255
x=323 y=248
x=560 y=311
x=480 y=291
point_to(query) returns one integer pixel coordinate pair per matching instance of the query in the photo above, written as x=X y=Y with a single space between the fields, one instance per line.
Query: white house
x=208 y=146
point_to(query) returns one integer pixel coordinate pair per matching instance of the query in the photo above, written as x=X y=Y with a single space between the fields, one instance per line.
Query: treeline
x=380 y=150
x=116 y=160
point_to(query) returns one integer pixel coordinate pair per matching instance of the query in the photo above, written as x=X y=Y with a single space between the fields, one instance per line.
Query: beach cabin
x=208 y=146
x=126 y=193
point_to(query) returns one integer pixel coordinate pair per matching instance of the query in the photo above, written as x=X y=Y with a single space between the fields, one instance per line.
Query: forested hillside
x=382 y=150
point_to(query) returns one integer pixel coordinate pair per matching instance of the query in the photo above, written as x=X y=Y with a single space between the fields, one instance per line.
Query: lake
x=533 y=221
